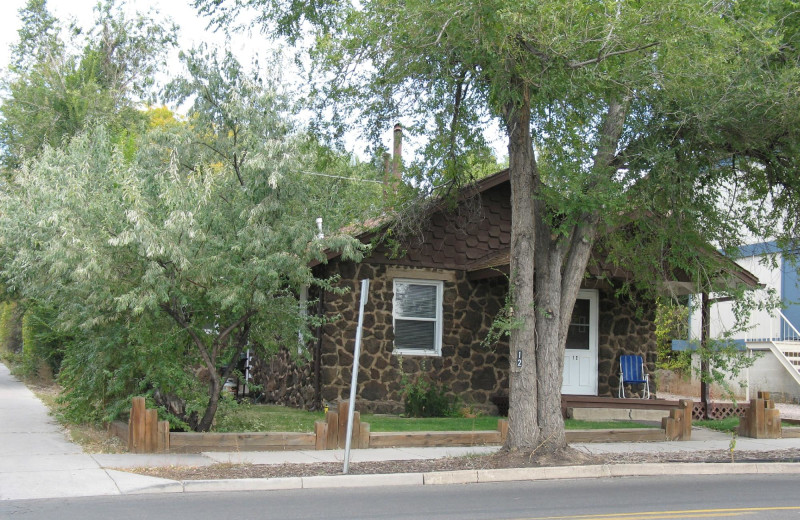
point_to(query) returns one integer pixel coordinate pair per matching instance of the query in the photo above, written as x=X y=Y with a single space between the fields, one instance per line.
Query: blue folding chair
x=631 y=372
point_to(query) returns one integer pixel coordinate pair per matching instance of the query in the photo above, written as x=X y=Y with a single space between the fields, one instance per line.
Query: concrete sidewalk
x=36 y=458
x=38 y=461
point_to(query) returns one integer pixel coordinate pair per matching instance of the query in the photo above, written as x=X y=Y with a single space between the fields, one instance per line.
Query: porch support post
x=704 y=333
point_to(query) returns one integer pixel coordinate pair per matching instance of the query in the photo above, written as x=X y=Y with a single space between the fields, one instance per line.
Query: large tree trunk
x=549 y=347
x=546 y=274
x=523 y=430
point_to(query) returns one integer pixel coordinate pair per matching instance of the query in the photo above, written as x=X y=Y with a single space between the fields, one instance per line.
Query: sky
x=192 y=26
x=192 y=32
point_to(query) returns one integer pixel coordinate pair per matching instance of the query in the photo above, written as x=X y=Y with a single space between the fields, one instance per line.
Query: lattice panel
x=720 y=410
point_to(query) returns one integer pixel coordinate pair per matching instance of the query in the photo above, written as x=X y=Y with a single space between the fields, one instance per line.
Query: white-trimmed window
x=417 y=317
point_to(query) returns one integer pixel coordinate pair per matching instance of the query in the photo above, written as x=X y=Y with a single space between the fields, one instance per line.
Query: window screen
x=578 y=333
x=417 y=316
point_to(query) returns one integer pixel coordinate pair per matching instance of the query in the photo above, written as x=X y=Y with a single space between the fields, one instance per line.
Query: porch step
x=790 y=349
x=788 y=353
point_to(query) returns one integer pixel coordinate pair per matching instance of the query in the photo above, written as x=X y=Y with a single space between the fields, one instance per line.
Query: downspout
x=303 y=303
x=320 y=233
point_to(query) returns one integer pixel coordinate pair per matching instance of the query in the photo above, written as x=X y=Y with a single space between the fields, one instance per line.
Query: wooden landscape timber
x=715 y=410
x=762 y=420
x=622 y=435
x=334 y=430
x=678 y=426
x=146 y=434
x=432 y=439
x=330 y=434
x=191 y=442
x=590 y=401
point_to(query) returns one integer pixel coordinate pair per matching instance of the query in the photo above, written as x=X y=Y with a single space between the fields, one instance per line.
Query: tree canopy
x=159 y=251
x=678 y=116
x=53 y=90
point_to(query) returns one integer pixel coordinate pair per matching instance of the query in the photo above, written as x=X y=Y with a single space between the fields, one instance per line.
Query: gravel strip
x=568 y=457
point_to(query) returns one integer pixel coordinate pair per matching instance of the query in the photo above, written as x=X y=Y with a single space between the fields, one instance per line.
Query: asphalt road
x=648 y=498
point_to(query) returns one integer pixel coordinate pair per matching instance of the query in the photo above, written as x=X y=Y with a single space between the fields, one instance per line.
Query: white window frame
x=437 y=334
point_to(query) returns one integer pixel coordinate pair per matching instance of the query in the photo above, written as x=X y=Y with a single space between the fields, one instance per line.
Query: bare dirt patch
x=567 y=457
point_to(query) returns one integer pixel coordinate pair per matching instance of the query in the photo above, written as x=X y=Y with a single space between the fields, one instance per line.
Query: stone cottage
x=431 y=308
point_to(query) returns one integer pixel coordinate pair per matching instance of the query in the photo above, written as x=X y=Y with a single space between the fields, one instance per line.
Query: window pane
x=578 y=334
x=415 y=301
x=410 y=334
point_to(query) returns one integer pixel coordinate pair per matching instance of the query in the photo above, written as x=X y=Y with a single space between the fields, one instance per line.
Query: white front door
x=580 y=356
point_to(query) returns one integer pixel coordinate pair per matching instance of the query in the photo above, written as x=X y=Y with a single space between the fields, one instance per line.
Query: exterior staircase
x=785 y=345
x=788 y=353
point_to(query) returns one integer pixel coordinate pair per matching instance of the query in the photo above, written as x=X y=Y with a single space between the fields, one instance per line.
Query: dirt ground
x=568 y=457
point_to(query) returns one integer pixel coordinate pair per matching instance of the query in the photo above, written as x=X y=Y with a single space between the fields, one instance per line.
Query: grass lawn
x=271 y=418
x=264 y=418
x=723 y=425
x=574 y=424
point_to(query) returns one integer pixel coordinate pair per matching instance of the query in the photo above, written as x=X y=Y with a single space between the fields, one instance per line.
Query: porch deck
x=717 y=410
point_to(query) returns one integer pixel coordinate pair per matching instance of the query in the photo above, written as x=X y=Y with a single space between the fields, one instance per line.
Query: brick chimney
x=397 y=157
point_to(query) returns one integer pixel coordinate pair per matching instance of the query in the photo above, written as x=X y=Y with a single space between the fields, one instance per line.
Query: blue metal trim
x=762 y=248
x=790 y=290
x=682 y=344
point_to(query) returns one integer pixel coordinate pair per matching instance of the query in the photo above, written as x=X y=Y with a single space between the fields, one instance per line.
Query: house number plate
x=519 y=359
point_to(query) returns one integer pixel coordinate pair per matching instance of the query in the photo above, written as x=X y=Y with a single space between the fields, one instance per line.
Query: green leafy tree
x=611 y=110
x=336 y=185
x=53 y=91
x=203 y=226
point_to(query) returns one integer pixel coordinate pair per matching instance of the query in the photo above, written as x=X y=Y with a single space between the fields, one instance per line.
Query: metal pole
x=354 y=378
x=705 y=328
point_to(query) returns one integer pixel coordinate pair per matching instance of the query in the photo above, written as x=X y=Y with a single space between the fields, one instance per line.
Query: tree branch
x=578 y=64
x=172 y=310
x=585 y=230
x=241 y=341
x=460 y=93
x=222 y=336
x=196 y=284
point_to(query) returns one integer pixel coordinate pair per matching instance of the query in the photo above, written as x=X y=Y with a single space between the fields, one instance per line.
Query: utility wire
x=340 y=177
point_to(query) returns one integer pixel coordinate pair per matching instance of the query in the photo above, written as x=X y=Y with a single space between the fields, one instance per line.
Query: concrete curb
x=473 y=476
x=242 y=484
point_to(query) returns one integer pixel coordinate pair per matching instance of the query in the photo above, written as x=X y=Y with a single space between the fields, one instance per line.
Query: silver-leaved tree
x=202 y=232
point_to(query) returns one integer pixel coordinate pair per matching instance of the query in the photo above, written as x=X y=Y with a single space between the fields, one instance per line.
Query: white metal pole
x=747 y=388
x=354 y=378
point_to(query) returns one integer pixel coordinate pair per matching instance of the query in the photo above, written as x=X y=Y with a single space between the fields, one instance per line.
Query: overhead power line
x=340 y=177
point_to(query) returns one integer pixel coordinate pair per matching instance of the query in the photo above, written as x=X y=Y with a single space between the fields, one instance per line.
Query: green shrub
x=10 y=328
x=103 y=368
x=425 y=399
x=42 y=347
x=672 y=322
